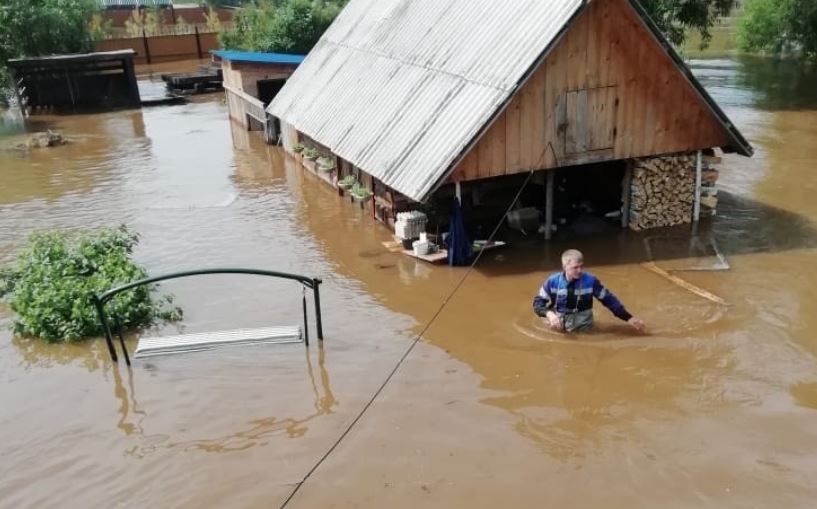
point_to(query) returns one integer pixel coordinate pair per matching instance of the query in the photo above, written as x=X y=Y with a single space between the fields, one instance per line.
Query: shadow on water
x=33 y=352
x=742 y=226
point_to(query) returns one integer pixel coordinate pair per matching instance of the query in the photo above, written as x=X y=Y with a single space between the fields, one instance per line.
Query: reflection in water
x=11 y=121
x=132 y=418
x=128 y=407
x=35 y=353
x=784 y=84
x=765 y=83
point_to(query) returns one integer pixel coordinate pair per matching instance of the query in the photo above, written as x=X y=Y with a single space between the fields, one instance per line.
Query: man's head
x=572 y=264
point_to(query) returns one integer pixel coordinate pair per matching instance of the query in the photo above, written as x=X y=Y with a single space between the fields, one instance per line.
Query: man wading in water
x=566 y=298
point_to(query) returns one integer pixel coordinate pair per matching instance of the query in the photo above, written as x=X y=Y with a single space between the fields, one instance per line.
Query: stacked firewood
x=662 y=191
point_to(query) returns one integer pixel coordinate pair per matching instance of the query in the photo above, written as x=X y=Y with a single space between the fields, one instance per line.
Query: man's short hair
x=572 y=255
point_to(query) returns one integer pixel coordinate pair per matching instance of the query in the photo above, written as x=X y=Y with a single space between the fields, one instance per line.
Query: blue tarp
x=459 y=245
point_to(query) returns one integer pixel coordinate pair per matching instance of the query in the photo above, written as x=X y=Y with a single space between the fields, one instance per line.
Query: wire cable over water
x=419 y=335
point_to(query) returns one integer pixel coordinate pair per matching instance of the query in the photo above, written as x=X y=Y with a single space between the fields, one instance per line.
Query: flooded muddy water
x=713 y=407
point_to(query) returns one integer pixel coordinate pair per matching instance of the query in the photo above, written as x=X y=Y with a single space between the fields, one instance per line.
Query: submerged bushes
x=51 y=285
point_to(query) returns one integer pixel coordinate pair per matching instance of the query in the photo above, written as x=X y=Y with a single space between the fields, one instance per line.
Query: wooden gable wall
x=607 y=91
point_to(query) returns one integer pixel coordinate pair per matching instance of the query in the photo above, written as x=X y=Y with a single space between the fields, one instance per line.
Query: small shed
x=105 y=79
x=422 y=99
x=251 y=81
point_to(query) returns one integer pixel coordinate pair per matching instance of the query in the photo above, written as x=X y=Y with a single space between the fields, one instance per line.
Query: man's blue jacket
x=557 y=294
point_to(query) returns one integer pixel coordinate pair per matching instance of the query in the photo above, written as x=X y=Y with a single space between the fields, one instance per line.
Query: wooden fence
x=164 y=48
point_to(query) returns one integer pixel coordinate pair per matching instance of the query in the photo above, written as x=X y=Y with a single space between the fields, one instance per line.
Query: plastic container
x=420 y=248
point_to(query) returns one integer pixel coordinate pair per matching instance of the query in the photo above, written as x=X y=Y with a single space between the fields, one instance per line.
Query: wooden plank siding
x=606 y=91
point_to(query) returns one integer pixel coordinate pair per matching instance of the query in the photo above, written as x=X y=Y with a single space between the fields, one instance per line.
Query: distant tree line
x=780 y=27
x=676 y=18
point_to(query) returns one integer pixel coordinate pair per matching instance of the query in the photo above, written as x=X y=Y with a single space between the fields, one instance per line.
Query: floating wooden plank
x=652 y=267
x=393 y=245
x=185 y=343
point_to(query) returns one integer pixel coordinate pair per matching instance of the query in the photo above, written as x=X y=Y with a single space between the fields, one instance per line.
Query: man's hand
x=553 y=320
x=636 y=324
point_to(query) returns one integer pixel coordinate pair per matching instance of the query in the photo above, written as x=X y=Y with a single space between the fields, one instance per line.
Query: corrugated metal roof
x=259 y=58
x=400 y=87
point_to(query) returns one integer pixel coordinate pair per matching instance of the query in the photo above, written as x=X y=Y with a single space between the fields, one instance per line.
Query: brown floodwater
x=713 y=407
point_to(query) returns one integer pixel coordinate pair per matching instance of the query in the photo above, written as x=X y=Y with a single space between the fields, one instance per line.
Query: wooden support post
x=696 y=211
x=198 y=41
x=549 y=204
x=270 y=133
x=133 y=87
x=70 y=89
x=147 y=47
x=626 y=191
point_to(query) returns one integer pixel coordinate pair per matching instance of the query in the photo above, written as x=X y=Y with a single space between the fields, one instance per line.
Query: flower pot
x=362 y=199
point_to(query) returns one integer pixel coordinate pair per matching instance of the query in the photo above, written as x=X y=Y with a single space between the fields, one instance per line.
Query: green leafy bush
x=284 y=26
x=311 y=153
x=51 y=285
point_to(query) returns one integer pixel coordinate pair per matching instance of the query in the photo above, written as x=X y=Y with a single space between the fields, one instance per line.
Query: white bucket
x=420 y=247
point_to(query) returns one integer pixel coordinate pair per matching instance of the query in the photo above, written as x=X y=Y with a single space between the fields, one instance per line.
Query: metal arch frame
x=102 y=299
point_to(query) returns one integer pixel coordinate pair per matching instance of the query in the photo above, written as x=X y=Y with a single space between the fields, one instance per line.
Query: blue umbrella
x=459 y=246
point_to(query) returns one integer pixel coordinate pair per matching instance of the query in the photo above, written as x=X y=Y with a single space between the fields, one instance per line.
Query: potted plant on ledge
x=325 y=164
x=347 y=182
x=298 y=148
x=360 y=193
x=310 y=154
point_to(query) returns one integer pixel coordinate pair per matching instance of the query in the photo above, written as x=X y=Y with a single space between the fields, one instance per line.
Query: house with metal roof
x=422 y=99
x=251 y=80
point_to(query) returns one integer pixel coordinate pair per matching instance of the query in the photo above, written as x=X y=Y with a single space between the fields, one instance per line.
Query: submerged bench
x=185 y=343
x=209 y=340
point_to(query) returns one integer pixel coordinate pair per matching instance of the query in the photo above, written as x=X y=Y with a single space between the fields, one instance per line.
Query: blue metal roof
x=259 y=58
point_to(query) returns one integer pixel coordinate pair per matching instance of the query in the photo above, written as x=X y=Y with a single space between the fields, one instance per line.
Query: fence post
x=145 y=42
x=198 y=41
